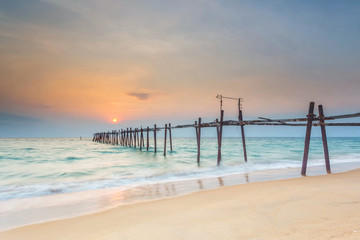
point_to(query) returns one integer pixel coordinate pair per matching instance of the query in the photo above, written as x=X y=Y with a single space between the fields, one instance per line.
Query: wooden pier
x=135 y=137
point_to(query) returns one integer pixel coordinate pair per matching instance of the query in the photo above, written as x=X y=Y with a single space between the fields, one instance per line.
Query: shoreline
x=115 y=198
x=315 y=207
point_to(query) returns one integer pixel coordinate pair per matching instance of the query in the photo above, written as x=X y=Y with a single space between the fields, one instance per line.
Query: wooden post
x=147 y=139
x=165 y=139
x=142 y=142
x=310 y=118
x=220 y=137
x=198 y=139
x=155 y=138
x=127 y=138
x=324 y=139
x=135 y=131
x=137 y=136
x=131 y=137
x=122 y=137
x=141 y=138
x=170 y=137
x=242 y=130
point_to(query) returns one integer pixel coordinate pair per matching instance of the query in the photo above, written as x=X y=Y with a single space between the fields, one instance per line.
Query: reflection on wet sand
x=201 y=187
x=169 y=189
x=221 y=181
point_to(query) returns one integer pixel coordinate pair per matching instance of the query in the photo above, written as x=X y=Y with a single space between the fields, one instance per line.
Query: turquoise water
x=35 y=172
x=43 y=166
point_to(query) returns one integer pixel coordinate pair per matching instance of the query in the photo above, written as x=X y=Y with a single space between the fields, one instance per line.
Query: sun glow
x=115 y=120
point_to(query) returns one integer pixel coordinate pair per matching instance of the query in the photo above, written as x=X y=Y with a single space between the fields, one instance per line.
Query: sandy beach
x=317 y=207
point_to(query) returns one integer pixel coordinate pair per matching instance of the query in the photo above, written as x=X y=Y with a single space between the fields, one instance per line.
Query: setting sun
x=115 y=120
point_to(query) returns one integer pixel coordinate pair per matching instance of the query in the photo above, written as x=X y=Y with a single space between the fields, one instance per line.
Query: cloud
x=139 y=95
x=10 y=119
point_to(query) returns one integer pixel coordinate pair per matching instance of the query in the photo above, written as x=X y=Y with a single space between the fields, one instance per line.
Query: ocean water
x=49 y=178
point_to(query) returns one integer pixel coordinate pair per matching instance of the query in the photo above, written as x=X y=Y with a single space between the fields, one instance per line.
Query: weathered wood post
x=310 y=118
x=324 y=138
x=198 y=139
x=155 y=138
x=142 y=142
x=147 y=139
x=120 y=137
x=242 y=130
x=137 y=136
x=127 y=138
x=135 y=131
x=170 y=137
x=220 y=128
x=141 y=138
x=131 y=137
x=165 y=139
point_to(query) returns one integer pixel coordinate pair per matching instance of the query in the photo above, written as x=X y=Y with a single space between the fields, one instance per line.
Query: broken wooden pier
x=135 y=137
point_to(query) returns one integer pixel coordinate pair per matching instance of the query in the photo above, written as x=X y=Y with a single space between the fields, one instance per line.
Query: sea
x=44 y=179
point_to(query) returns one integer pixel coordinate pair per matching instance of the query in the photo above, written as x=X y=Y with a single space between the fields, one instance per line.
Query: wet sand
x=316 y=207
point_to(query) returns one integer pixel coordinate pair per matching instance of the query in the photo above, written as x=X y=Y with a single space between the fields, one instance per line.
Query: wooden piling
x=198 y=139
x=155 y=138
x=127 y=138
x=324 y=139
x=122 y=137
x=242 y=130
x=147 y=139
x=220 y=137
x=135 y=136
x=165 y=139
x=141 y=138
x=310 y=117
x=170 y=137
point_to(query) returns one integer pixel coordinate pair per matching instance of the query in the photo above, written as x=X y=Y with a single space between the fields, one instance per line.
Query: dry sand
x=319 y=207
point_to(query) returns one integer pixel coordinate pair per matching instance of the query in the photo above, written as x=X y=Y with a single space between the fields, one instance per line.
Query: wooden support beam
x=154 y=138
x=127 y=138
x=141 y=138
x=165 y=139
x=242 y=130
x=198 y=140
x=170 y=137
x=120 y=137
x=135 y=131
x=324 y=139
x=147 y=139
x=131 y=137
x=310 y=118
x=220 y=128
x=137 y=136
x=142 y=142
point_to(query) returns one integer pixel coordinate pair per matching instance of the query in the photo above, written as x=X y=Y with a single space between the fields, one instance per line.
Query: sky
x=68 y=67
